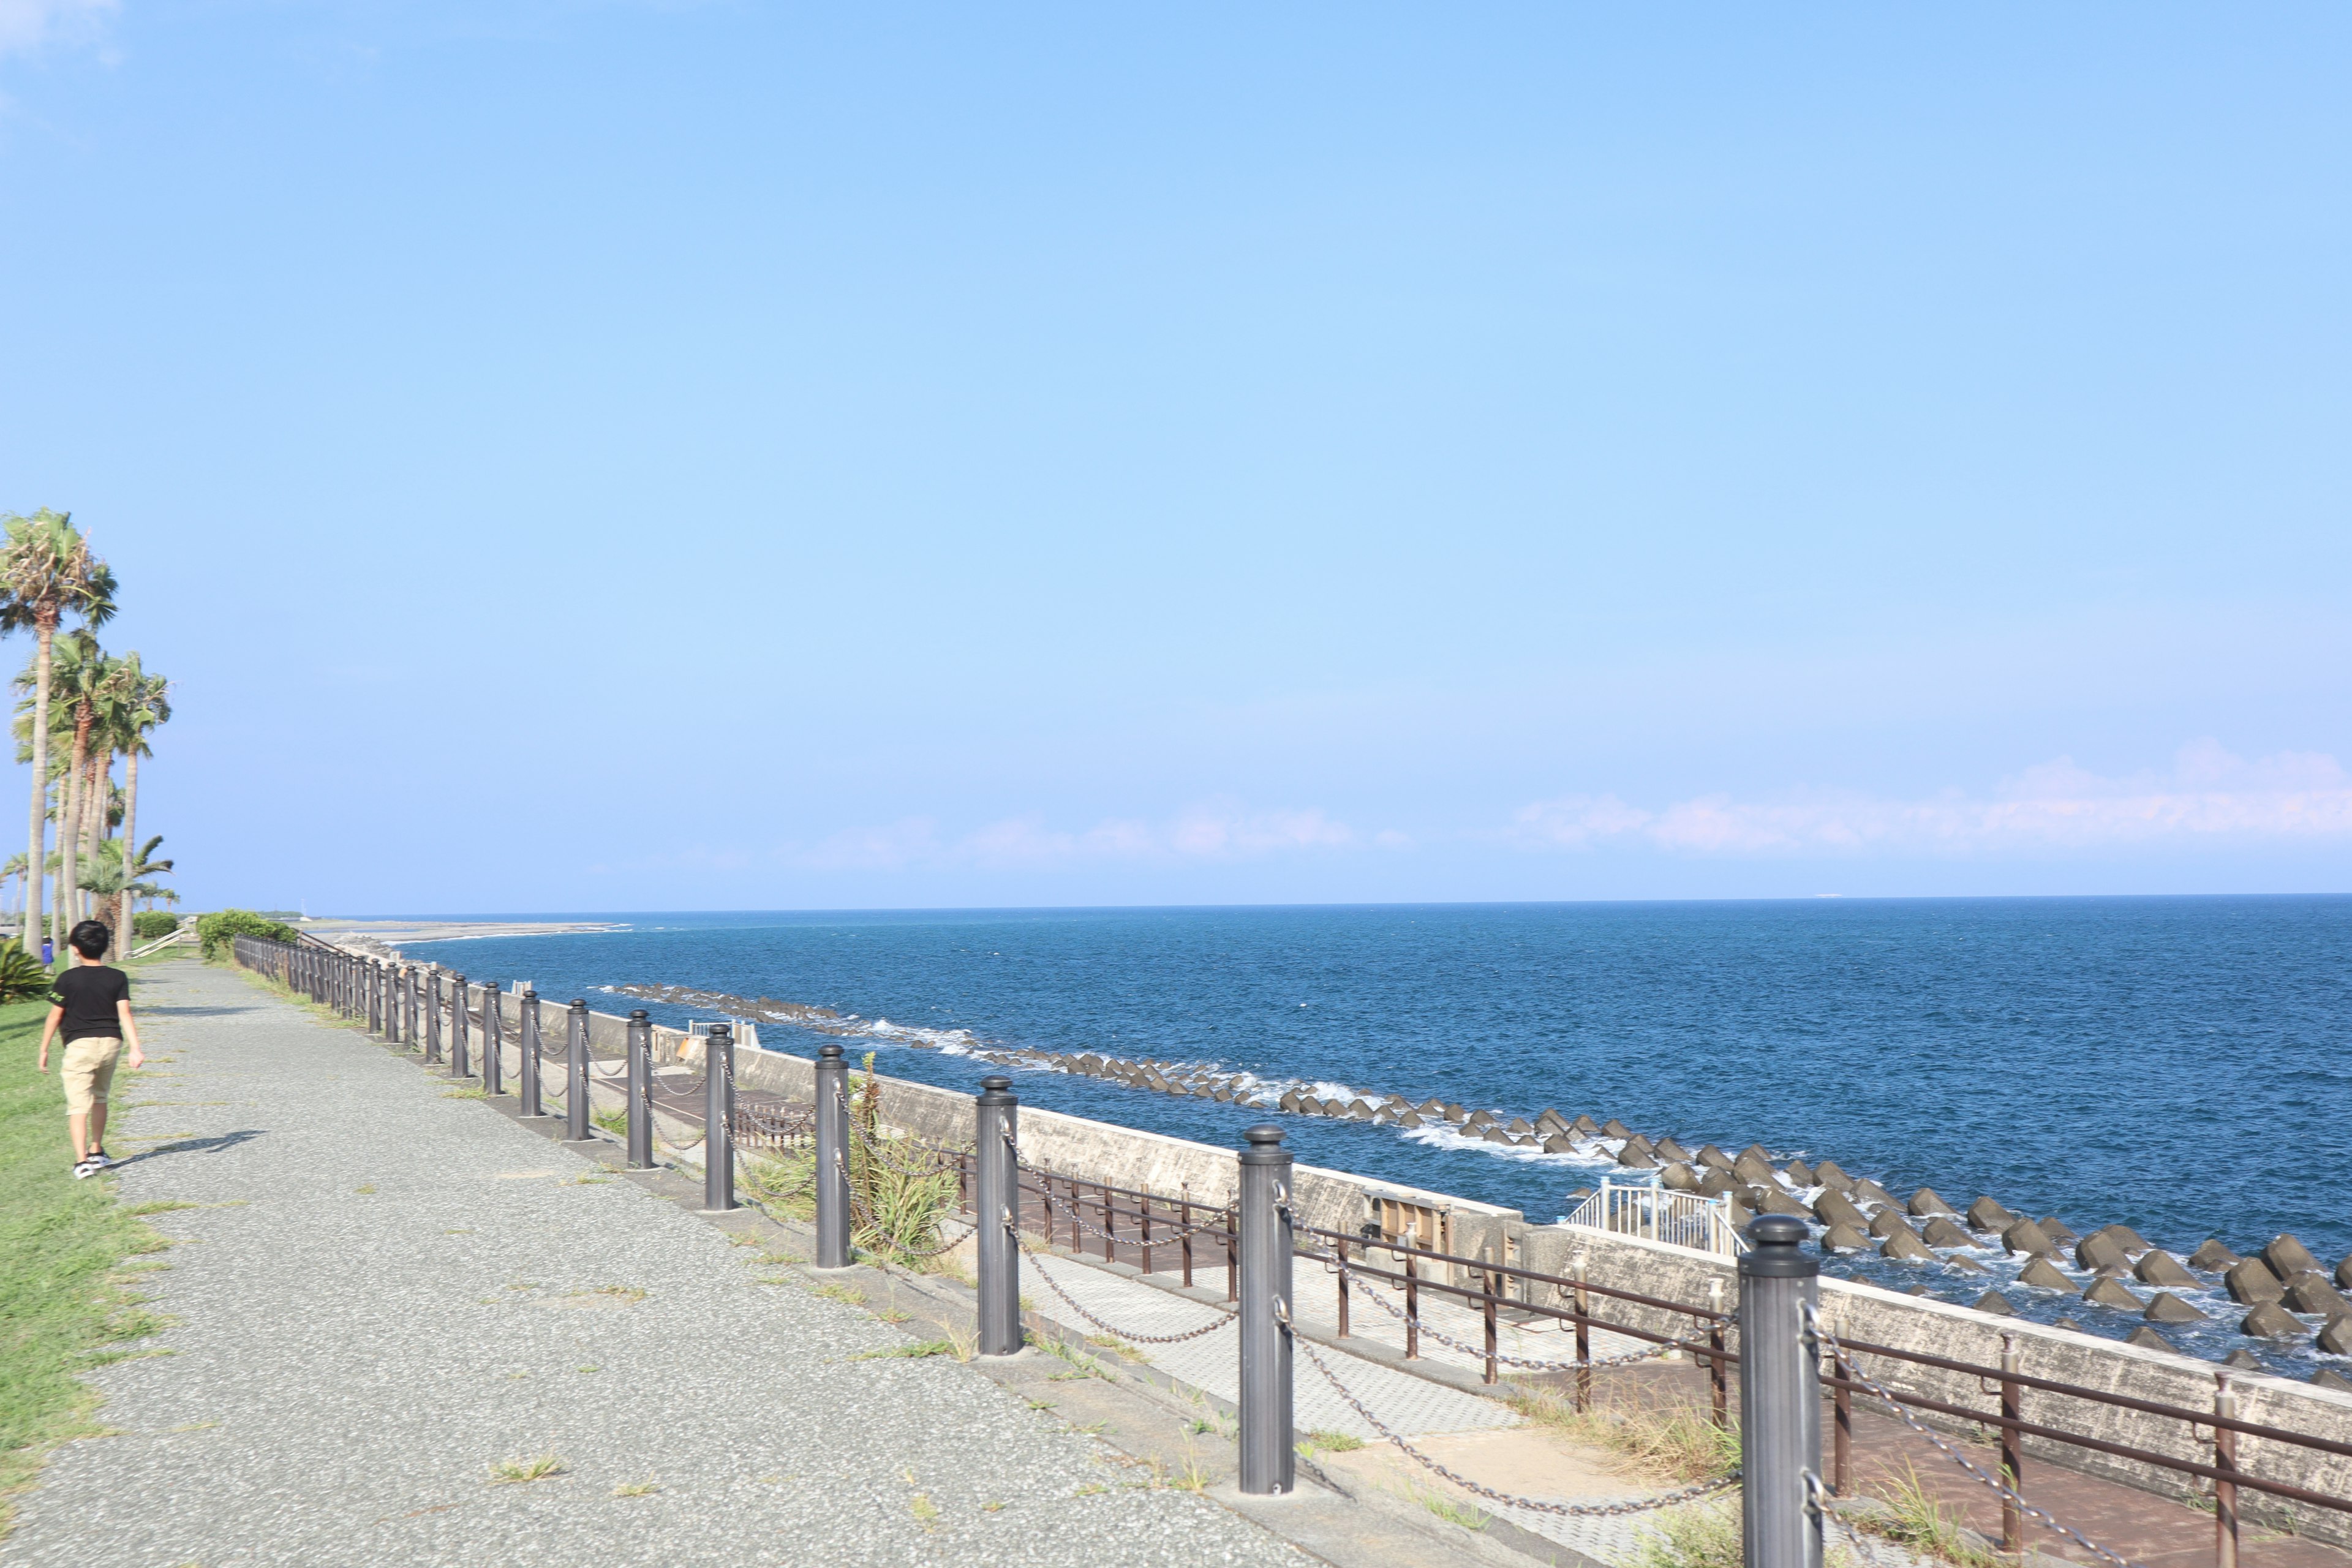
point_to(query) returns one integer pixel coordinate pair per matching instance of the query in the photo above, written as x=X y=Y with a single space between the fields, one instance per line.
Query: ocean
x=2176 y=1064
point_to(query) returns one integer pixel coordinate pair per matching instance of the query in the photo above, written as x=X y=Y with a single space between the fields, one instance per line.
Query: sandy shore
x=388 y=935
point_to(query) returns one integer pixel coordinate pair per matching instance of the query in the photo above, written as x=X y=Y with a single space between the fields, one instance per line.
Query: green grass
x=1704 y=1536
x=65 y=1300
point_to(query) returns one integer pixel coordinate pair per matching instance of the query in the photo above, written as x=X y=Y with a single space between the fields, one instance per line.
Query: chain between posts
x=2001 y=1489
x=1055 y=1285
x=1591 y=1364
x=1507 y=1499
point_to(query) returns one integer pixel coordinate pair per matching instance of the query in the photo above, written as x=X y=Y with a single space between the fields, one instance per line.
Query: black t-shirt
x=87 y=991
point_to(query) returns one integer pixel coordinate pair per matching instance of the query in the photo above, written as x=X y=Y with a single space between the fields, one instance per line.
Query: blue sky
x=676 y=455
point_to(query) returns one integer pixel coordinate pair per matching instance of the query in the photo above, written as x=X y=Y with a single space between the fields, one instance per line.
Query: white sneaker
x=85 y=1170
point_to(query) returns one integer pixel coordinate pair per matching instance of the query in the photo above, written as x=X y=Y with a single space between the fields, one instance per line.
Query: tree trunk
x=69 y=824
x=97 y=800
x=36 y=854
x=125 y=927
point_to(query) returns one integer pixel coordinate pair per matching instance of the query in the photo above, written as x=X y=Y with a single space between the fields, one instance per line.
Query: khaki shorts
x=89 y=1072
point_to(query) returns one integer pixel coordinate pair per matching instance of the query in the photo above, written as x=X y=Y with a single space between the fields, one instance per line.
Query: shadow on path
x=194 y=1146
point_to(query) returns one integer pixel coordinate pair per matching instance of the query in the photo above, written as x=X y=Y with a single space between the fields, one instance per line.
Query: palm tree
x=47 y=572
x=116 y=887
x=146 y=703
x=79 y=678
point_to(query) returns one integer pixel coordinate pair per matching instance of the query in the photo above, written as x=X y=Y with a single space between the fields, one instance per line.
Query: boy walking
x=92 y=1003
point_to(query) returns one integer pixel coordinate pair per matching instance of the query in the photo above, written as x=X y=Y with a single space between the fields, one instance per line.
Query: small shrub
x=1706 y=1536
x=21 y=974
x=214 y=930
x=149 y=924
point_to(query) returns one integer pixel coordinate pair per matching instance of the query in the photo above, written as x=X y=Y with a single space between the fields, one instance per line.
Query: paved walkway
x=382 y=1293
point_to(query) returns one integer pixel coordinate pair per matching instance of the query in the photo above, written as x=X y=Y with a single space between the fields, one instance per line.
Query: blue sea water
x=2178 y=1064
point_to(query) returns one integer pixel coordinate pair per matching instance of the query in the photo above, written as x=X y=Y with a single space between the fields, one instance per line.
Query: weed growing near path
x=636 y=1489
x=1917 y=1521
x=538 y=1467
x=64 y=1288
x=1666 y=1441
x=1702 y=1537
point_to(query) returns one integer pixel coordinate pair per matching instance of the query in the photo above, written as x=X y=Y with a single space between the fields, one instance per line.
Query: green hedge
x=213 y=931
x=149 y=924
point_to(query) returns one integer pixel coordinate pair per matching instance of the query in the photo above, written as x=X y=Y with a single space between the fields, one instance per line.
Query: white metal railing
x=1656 y=1214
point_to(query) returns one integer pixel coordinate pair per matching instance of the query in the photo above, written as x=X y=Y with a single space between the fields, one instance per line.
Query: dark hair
x=90 y=939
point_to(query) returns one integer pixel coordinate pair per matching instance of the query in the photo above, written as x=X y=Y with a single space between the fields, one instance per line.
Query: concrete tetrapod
x=1679 y=1178
x=2148 y=1339
x=1926 y=1202
x=1667 y=1149
x=1799 y=1172
x=1634 y=1159
x=2271 y=1321
x=2158 y=1266
x=1828 y=1175
x=2057 y=1230
x=2211 y=1254
x=1993 y=1301
x=2288 y=1258
x=2027 y=1237
x=1714 y=1158
x=2164 y=1307
x=2327 y=1378
x=1904 y=1248
x=2100 y=1252
x=2344 y=1272
x=1836 y=1208
x=1845 y=1238
x=1940 y=1231
x=1890 y=1222
x=1867 y=1190
x=1777 y=1202
x=2112 y=1293
x=2043 y=1276
x=1986 y=1215
x=1752 y=1168
x=2251 y=1282
x=2309 y=1292
x=2336 y=1336
x=1616 y=1129
x=2133 y=1242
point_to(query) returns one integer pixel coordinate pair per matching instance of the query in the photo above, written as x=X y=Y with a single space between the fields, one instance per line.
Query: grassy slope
x=65 y=1297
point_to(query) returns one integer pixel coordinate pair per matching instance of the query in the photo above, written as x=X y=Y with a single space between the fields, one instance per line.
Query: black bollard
x=494 y=1040
x=641 y=1092
x=533 y=1100
x=831 y=1158
x=461 y=1057
x=1268 y=1460
x=433 y=1020
x=718 y=1119
x=576 y=1126
x=995 y=1148
x=1780 y=1397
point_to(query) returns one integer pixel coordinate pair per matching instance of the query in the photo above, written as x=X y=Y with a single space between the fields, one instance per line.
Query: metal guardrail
x=1788 y=1365
x=1660 y=1214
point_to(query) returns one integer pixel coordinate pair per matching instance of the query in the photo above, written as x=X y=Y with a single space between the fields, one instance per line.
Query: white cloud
x=2208 y=794
x=28 y=24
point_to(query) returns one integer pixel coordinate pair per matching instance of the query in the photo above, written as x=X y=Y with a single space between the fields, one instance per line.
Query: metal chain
x=1590 y=1364
x=1507 y=1499
x=2003 y=1490
x=1056 y=1286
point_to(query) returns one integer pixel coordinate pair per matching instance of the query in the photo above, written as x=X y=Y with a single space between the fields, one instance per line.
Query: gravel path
x=384 y=1292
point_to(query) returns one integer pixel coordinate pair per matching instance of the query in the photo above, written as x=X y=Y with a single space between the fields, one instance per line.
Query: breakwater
x=2278 y=1304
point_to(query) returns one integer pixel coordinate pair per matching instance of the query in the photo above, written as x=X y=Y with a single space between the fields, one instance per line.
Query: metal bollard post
x=641 y=1092
x=576 y=1127
x=533 y=1100
x=461 y=1062
x=433 y=1020
x=718 y=1119
x=1269 y=1462
x=831 y=1158
x=494 y=1039
x=2225 y=1459
x=1780 y=1398
x=375 y=1010
x=392 y=985
x=997 y=1185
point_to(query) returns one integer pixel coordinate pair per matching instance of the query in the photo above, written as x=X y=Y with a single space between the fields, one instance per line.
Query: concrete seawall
x=1336 y=1200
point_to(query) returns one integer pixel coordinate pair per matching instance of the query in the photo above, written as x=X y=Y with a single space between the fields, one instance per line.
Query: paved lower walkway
x=381 y=1293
